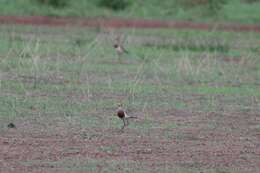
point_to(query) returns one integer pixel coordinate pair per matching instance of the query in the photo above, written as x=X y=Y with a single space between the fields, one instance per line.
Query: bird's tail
x=133 y=117
x=127 y=116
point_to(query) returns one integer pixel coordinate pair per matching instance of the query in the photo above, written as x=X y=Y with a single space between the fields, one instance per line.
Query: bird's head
x=119 y=105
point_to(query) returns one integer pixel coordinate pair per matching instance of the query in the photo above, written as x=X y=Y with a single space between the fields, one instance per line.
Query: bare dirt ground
x=125 y=23
x=200 y=140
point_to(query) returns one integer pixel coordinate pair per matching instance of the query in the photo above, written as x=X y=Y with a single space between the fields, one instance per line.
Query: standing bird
x=120 y=50
x=118 y=46
x=121 y=113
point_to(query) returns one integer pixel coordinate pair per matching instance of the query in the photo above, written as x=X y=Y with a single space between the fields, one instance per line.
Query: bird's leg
x=119 y=58
x=124 y=124
x=127 y=122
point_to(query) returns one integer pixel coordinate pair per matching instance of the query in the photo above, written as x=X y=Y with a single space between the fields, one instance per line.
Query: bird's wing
x=126 y=115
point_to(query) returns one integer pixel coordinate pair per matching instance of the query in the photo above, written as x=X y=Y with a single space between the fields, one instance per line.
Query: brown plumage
x=120 y=50
x=121 y=113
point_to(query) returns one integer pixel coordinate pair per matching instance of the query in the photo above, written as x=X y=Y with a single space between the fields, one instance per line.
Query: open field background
x=196 y=95
x=238 y=11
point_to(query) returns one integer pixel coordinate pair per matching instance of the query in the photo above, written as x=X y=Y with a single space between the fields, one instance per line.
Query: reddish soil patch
x=200 y=140
x=125 y=23
x=235 y=60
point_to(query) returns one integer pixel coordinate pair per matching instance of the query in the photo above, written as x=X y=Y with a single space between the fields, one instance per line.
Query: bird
x=118 y=46
x=11 y=125
x=121 y=113
x=120 y=49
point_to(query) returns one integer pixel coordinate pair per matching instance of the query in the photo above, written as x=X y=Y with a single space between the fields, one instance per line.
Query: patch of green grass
x=68 y=78
x=243 y=90
x=148 y=9
x=194 y=48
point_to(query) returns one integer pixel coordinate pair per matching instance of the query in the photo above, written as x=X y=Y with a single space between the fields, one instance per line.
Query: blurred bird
x=120 y=49
x=121 y=113
x=11 y=125
x=118 y=46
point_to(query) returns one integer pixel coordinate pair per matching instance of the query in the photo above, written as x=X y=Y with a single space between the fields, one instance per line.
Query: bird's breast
x=121 y=114
x=119 y=49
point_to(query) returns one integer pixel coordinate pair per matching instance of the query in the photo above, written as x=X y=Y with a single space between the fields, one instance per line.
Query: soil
x=125 y=23
x=199 y=141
